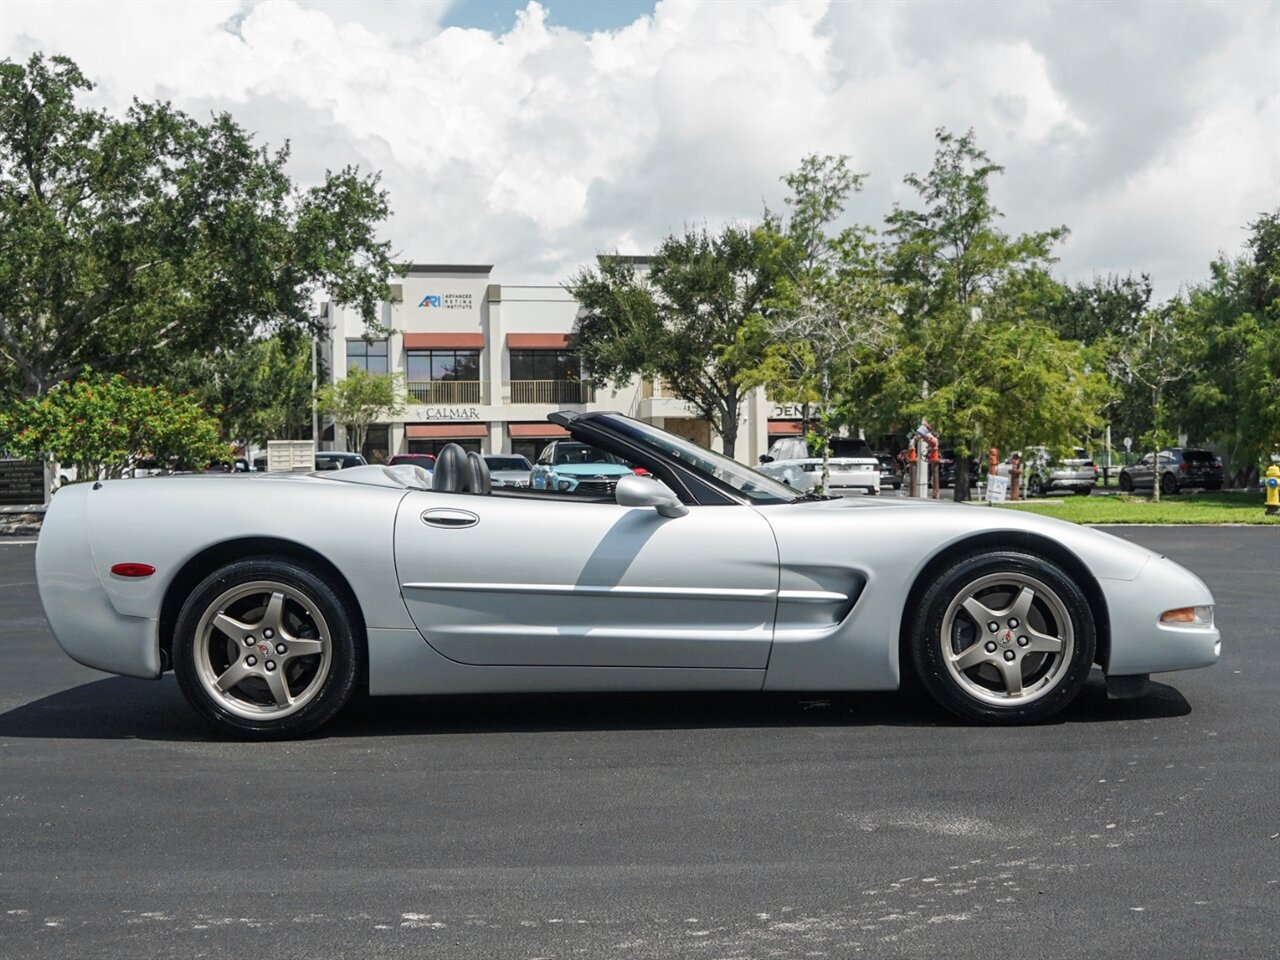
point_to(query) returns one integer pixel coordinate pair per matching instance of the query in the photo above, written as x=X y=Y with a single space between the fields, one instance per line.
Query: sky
x=536 y=135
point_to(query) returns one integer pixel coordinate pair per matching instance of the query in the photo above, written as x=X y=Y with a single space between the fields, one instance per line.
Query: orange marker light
x=1191 y=615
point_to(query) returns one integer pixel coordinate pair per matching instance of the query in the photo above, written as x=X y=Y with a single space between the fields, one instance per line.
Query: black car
x=949 y=463
x=890 y=473
x=1180 y=468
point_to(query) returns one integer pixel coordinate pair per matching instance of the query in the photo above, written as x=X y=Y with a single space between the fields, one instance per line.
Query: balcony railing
x=446 y=391
x=551 y=391
x=657 y=387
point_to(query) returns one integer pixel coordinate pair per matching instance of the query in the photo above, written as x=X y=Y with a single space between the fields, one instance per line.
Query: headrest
x=480 y=482
x=452 y=473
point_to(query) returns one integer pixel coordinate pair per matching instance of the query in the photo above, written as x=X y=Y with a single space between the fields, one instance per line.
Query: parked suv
x=1043 y=473
x=850 y=464
x=569 y=466
x=1179 y=468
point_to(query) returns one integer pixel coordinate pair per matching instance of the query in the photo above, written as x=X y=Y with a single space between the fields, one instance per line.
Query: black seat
x=456 y=471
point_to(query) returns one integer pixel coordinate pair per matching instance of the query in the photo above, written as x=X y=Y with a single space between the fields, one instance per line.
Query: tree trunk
x=961 y=491
x=729 y=428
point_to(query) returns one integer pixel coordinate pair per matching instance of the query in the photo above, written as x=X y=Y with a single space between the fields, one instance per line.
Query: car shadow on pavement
x=119 y=708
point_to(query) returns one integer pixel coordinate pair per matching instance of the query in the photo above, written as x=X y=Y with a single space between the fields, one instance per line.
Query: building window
x=369 y=356
x=545 y=365
x=548 y=376
x=444 y=376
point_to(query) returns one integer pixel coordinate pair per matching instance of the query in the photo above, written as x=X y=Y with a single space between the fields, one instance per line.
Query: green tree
x=132 y=242
x=360 y=400
x=98 y=424
x=1156 y=356
x=1234 y=390
x=828 y=316
x=694 y=318
x=262 y=389
x=1109 y=306
x=969 y=298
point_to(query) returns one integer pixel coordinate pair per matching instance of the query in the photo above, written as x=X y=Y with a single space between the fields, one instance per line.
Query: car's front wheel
x=265 y=649
x=1035 y=487
x=1126 y=483
x=1003 y=637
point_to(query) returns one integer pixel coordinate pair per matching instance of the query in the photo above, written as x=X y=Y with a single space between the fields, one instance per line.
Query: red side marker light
x=133 y=570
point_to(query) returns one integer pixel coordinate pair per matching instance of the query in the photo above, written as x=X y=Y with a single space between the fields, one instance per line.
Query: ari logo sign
x=447 y=301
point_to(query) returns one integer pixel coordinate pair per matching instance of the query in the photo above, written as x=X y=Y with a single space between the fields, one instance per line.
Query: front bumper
x=1139 y=642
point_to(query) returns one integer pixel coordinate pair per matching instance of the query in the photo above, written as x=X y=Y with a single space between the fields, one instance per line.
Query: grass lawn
x=1181 y=508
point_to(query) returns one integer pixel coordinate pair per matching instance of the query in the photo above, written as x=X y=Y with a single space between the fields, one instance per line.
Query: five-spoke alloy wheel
x=1003 y=637
x=264 y=648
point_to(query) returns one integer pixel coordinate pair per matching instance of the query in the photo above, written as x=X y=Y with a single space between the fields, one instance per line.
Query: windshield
x=754 y=486
x=507 y=463
x=582 y=453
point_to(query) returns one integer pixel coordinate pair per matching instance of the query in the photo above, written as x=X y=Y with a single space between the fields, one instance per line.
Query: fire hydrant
x=1272 y=483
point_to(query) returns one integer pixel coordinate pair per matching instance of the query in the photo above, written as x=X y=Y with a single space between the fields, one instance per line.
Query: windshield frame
x=736 y=479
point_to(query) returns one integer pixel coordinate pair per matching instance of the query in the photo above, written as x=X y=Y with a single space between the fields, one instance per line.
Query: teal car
x=568 y=466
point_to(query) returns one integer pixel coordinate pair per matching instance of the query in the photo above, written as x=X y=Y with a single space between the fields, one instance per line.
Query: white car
x=508 y=469
x=850 y=466
x=1043 y=473
x=274 y=597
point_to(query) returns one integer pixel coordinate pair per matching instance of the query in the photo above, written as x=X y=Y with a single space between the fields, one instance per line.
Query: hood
x=943 y=522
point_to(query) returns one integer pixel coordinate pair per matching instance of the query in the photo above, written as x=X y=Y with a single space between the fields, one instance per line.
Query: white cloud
x=1153 y=131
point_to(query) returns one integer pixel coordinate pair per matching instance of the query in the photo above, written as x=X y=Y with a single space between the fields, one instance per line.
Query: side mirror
x=765 y=458
x=635 y=491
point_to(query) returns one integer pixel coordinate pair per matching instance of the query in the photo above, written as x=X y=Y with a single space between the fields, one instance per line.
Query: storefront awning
x=446 y=431
x=785 y=428
x=428 y=341
x=535 y=431
x=538 y=341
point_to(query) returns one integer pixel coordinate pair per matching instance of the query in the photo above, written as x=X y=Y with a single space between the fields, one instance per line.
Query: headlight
x=1188 y=617
x=562 y=485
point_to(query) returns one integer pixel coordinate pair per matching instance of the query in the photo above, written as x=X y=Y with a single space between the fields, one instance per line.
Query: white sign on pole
x=1128 y=444
x=997 y=488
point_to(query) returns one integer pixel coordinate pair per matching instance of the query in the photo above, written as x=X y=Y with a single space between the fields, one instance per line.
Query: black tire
x=1126 y=483
x=1035 y=487
x=1168 y=484
x=286 y=639
x=1083 y=491
x=1055 y=610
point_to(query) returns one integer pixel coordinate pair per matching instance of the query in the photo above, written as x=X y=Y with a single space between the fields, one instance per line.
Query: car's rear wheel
x=1035 y=487
x=1126 y=483
x=1083 y=491
x=1003 y=637
x=1168 y=483
x=265 y=649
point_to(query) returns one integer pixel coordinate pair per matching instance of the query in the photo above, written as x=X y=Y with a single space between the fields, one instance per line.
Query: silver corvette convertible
x=273 y=598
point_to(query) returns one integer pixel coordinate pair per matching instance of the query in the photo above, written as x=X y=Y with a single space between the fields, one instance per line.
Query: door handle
x=449 y=518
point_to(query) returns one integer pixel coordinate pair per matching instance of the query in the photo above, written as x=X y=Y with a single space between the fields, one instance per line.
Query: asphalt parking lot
x=725 y=826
